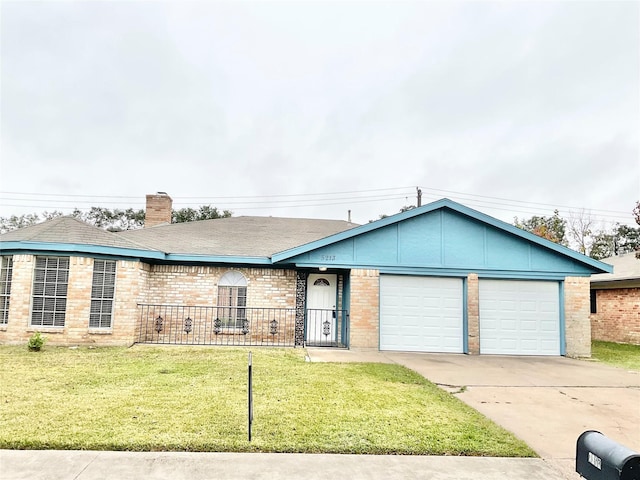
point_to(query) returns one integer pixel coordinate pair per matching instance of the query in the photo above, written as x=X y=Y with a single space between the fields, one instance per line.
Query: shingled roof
x=69 y=230
x=233 y=237
x=236 y=236
x=626 y=272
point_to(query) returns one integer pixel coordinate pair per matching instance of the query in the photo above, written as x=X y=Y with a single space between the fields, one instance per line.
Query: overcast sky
x=512 y=108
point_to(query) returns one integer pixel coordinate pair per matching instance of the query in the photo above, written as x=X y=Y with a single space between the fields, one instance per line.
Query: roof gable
x=442 y=235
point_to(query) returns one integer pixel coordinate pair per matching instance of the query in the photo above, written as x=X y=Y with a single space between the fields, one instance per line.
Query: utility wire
x=276 y=201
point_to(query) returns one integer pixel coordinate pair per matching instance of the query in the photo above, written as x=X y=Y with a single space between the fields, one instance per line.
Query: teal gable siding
x=445 y=240
x=414 y=234
x=377 y=247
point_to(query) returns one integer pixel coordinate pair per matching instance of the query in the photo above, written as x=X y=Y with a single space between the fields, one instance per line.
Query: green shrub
x=36 y=342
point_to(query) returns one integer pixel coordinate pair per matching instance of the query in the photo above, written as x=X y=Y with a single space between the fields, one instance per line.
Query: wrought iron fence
x=193 y=325
x=327 y=328
x=242 y=326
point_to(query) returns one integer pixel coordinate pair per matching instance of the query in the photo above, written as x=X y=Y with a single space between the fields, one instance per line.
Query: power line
x=356 y=194
x=276 y=201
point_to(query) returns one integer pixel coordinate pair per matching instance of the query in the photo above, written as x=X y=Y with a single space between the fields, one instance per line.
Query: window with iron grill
x=232 y=300
x=102 y=293
x=6 y=272
x=50 y=282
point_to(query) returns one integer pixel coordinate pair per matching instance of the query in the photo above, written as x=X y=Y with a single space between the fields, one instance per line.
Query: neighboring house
x=615 y=301
x=438 y=278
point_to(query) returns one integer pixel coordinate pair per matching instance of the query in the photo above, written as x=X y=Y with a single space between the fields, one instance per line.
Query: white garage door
x=421 y=314
x=519 y=317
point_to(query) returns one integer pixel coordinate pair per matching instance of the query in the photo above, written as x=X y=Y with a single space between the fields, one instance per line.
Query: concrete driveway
x=546 y=401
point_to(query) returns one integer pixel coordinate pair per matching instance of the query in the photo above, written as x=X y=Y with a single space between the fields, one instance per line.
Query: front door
x=321 y=308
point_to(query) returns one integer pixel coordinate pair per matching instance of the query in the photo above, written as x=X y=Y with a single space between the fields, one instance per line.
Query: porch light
x=323 y=269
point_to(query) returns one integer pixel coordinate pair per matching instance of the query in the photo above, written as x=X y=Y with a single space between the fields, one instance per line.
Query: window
x=102 y=293
x=50 y=281
x=232 y=297
x=6 y=271
x=594 y=302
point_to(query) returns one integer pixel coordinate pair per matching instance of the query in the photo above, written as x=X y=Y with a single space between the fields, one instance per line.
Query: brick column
x=365 y=309
x=576 y=316
x=473 y=313
x=76 y=320
x=301 y=299
x=131 y=280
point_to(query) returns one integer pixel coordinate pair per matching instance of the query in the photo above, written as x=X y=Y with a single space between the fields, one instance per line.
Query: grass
x=195 y=399
x=616 y=354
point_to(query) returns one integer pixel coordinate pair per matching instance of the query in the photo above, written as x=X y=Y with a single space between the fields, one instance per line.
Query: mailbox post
x=600 y=458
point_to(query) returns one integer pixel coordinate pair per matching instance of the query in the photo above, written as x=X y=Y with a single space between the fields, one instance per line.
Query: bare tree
x=581 y=228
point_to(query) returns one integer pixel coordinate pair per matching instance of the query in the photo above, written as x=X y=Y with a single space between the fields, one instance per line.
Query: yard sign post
x=250 y=399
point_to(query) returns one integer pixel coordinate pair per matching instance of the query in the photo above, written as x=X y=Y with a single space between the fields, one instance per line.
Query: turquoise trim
x=495 y=274
x=346 y=305
x=595 y=266
x=465 y=316
x=379 y=316
x=454 y=272
x=39 y=247
x=563 y=340
x=74 y=249
x=179 y=257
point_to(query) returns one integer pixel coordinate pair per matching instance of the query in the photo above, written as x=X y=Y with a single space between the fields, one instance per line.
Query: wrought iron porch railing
x=194 y=325
x=241 y=326
x=327 y=328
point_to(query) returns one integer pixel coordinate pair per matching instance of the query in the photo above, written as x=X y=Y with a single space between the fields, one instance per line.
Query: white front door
x=321 y=307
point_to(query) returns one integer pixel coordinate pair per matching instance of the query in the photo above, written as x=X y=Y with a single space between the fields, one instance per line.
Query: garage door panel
x=519 y=317
x=421 y=314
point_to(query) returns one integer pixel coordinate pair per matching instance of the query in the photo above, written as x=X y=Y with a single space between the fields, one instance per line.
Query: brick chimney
x=158 y=209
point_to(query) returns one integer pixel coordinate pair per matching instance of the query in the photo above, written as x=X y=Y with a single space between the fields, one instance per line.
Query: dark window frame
x=6 y=275
x=103 y=286
x=49 y=294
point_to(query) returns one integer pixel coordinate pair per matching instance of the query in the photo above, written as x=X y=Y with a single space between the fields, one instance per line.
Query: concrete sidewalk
x=90 y=465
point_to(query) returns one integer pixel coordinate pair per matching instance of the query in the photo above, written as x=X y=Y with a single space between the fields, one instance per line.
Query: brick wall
x=136 y=283
x=192 y=285
x=365 y=305
x=618 y=316
x=576 y=313
x=76 y=330
x=198 y=286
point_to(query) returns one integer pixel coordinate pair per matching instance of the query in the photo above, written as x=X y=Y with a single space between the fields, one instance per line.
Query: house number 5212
x=328 y=258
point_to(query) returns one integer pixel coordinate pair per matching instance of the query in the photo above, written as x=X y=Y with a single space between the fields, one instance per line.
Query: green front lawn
x=617 y=354
x=195 y=399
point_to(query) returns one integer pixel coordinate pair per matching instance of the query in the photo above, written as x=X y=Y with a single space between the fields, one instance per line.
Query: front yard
x=195 y=399
x=617 y=354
